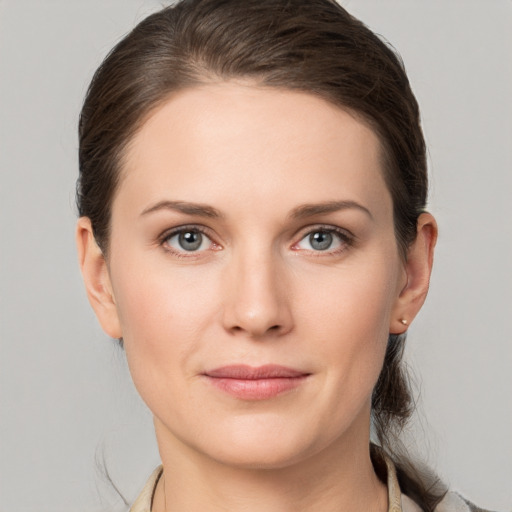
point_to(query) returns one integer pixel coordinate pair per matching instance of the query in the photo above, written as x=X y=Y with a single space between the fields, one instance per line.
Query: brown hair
x=307 y=45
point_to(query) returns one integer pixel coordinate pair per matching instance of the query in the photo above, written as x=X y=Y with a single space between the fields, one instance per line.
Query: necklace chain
x=165 y=495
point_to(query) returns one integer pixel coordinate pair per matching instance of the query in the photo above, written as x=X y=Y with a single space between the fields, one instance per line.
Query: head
x=275 y=54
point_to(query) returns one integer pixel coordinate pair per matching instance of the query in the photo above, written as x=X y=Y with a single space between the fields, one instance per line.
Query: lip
x=255 y=383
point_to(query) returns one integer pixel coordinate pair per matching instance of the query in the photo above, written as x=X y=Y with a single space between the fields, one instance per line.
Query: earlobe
x=96 y=278
x=418 y=268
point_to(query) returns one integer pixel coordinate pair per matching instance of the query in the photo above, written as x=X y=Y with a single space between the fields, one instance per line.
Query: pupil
x=190 y=240
x=321 y=240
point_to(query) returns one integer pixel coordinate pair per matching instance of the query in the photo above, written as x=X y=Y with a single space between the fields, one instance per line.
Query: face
x=255 y=273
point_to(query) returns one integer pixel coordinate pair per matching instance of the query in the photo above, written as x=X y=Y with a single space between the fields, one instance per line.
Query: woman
x=252 y=227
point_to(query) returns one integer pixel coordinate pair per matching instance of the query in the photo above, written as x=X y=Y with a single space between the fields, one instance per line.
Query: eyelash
x=167 y=235
x=345 y=238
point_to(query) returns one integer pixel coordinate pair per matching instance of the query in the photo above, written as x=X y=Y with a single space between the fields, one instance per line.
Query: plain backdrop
x=67 y=405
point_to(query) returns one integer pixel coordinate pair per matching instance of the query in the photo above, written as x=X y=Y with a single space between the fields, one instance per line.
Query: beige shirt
x=398 y=502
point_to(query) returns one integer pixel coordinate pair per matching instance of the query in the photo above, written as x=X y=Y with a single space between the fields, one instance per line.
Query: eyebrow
x=300 y=212
x=310 y=210
x=197 y=209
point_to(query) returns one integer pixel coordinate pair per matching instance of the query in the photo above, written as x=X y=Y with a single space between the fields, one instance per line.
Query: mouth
x=255 y=383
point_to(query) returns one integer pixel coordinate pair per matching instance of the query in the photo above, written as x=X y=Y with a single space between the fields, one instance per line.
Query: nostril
x=274 y=328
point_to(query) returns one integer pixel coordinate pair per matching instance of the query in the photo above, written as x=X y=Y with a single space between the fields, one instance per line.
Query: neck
x=341 y=477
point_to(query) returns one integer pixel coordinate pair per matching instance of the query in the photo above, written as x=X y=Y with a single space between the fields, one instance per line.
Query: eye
x=187 y=240
x=323 y=240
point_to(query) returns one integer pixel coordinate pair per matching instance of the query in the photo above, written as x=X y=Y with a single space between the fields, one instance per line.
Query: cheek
x=355 y=300
x=164 y=313
x=347 y=313
x=156 y=299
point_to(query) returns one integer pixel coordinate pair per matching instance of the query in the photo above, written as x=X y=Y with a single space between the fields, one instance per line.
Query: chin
x=268 y=447
x=258 y=458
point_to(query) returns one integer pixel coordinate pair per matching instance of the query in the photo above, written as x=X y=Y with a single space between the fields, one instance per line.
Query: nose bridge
x=259 y=302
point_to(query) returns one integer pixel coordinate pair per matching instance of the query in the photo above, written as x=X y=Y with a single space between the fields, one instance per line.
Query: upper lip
x=246 y=372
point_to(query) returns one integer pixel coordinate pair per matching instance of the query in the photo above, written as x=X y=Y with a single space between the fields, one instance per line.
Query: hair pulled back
x=313 y=46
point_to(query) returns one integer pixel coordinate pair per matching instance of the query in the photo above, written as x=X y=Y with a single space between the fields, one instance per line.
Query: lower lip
x=257 y=389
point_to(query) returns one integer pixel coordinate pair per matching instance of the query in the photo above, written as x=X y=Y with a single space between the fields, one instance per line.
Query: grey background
x=65 y=395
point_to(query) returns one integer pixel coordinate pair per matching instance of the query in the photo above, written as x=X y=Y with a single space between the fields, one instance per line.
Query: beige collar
x=394 y=494
x=145 y=499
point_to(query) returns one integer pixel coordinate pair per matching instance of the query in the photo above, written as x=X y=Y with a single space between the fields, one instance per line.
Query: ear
x=96 y=278
x=418 y=268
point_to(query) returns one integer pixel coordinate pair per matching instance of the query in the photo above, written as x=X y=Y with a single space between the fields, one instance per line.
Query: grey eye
x=320 y=240
x=190 y=240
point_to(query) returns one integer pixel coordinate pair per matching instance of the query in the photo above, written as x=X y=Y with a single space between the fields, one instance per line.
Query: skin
x=257 y=292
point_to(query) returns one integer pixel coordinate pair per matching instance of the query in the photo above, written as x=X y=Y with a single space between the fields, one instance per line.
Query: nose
x=258 y=298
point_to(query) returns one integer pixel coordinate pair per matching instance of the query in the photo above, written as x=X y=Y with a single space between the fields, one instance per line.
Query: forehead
x=216 y=140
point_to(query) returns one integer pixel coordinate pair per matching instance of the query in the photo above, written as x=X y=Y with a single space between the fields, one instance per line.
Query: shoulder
x=452 y=502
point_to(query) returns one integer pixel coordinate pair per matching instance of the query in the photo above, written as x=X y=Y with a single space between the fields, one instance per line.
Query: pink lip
x=255 y=383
